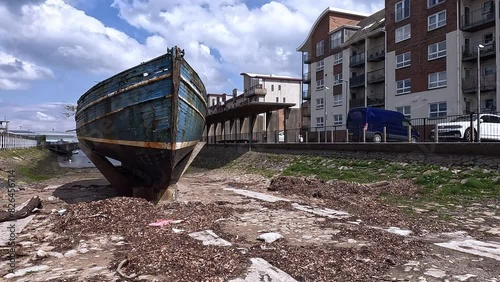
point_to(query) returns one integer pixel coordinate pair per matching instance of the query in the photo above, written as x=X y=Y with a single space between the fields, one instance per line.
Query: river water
x=79 y=160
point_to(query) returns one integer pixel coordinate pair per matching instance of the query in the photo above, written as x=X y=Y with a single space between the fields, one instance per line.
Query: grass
x=440 y=185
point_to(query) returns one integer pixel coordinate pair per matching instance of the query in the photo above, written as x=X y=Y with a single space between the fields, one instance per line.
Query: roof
x=368 y=26
x=283 y=77
x=326 y=11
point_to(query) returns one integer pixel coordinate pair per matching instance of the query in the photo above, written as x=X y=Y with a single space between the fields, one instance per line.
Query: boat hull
x=150 y=118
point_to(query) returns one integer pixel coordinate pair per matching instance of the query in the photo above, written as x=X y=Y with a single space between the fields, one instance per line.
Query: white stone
x=24 y=271
x=464 y=277
x=261 y=270
x=83 y=250
x=71 y=253
x=116 y=238
x=41 y=254
x=257 y=195
x=436 y=273
x=325 y=212
x=269 y=237
x=208 y=237
x=55 y=254
x=398 y=231
x=484 y=249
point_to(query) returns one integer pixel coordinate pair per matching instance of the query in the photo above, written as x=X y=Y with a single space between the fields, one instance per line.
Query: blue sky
x=52 y=51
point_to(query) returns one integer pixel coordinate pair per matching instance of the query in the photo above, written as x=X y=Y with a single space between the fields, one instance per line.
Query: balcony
x=307 y=58
x=469 y=51
x=376 y=76
x=357 y=81
x=306 y=109
x=256 y=90
x=376 y=54
x=488 y=83
x=306 y=95
x=479 y=19
x=356 y=103
x=306 y=78
x=376 y=100
x=357 y=60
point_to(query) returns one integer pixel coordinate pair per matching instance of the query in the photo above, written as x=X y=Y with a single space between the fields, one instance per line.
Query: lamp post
x=479 y=47
x=324 y=106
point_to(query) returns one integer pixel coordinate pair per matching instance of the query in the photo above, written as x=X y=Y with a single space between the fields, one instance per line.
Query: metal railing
x=357 y=81
x=478 y=18
x=488 y=82
x=357 y=60
x=376 y=76
x=10 y=141
x=376 y=53
x=469 y=51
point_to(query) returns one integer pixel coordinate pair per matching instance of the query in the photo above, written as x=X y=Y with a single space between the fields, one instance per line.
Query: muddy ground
x=331 y=231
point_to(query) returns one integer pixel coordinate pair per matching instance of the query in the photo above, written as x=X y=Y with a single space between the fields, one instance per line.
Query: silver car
x=460 y=128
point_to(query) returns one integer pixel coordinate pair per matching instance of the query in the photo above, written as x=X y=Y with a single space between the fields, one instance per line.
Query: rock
x=40 y=254
x=463 y=181
x=116 y=238
x=55 y=254
x=24 y=271
x=51 y=198
x=71 y=253
x=83 y=250
x=269 y=237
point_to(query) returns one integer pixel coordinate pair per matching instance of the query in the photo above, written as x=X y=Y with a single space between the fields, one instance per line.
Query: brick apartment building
x=416 y=57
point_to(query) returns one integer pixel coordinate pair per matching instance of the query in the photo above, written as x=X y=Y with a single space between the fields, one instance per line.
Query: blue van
x=373 y=120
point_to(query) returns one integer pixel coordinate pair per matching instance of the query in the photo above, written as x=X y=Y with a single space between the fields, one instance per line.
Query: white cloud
x=15 y=73
x=40 y=117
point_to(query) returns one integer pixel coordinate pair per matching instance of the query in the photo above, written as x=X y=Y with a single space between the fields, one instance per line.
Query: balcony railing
x=357 y=81
x=307 y=58
x=488 y=83
x=357 y=60
x=376 y=100
x=306 y=77
x=376 y=54
x=256 y=90
x=376 y=76
x=470 y=50
x=306 y=109
x=479 y=19
x=306 y=95
x=355 y=103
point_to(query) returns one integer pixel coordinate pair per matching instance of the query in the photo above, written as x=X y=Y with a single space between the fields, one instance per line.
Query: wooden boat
x=150 y=118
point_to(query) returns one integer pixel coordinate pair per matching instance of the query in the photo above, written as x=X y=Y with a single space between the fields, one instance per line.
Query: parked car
x=281 y=136
x=460 y=128
x=373 y=120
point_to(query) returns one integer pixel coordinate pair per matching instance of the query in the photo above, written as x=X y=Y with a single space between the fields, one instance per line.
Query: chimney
x=235 y=93
x=224 y=97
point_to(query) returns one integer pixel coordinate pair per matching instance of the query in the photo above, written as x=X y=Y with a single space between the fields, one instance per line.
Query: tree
x=69 y=110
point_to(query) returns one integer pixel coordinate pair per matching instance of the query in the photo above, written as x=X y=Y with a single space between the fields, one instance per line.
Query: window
x=335 y=39
x=437 y=79
x=319 y=122
x=319 y=104
x=437 y=20
x=488 y=9
x=320 y=48
x=489 y=69
x=337 y=58
x=272 y=87
x=279 y=87
x=337 y=99
x=320 y=65
x=432 y=3
x=403 y=86
x=403 y=60
x=406 y=111
x=337 y=79
x=437 y=109
x=403 y=33
x=488 y=38
x=437 y=50
x=320 y=84
x=284 y=99
x=337 y=119
x=213 y=102
x=277 y=99
x=402 y=10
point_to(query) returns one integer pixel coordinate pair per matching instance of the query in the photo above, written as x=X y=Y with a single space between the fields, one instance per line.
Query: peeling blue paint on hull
x=149 y=118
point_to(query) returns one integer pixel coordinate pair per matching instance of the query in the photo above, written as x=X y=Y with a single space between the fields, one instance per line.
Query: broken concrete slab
x=325 y=212
x=257 y=195
x=261 y=270
x=208 y=237
x=483 y=249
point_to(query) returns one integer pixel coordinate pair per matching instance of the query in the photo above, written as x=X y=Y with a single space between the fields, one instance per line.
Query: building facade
x=416 y=57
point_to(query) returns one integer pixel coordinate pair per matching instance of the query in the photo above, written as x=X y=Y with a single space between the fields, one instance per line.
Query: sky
x=53 y=51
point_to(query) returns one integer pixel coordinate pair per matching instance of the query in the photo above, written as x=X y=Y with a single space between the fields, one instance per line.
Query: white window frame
x=438 y=112
x=320 y=84
x=437 y=80
x=337 y=58
x=337 y=79
x=337 y=99
x=405 y=33
x=403 y=60
x=439 y=52
x=320 y=48
x=338 y=119
x=405 y=110
x=406 y=86
x=320 y=122
x=333 y=39
x=432 y=3
x=320 y=65
x=320 y=103
x=403 y=9
x=437 y=22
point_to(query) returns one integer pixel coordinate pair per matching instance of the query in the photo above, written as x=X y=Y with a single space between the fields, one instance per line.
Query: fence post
x=319 y=136
x=307 y=136
x=332 y=135
x=385 y=134
x=409 y=133
x=347 y=135
x=364 y=135
x=436 y=133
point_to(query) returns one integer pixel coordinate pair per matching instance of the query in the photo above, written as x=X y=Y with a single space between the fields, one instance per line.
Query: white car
x=460 y=128
x=281 y=136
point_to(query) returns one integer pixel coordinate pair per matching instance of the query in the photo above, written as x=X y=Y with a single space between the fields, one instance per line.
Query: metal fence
x=458 y=128
x=11 y=141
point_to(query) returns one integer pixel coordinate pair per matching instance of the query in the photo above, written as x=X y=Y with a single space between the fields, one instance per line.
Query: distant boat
x=150 y=118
